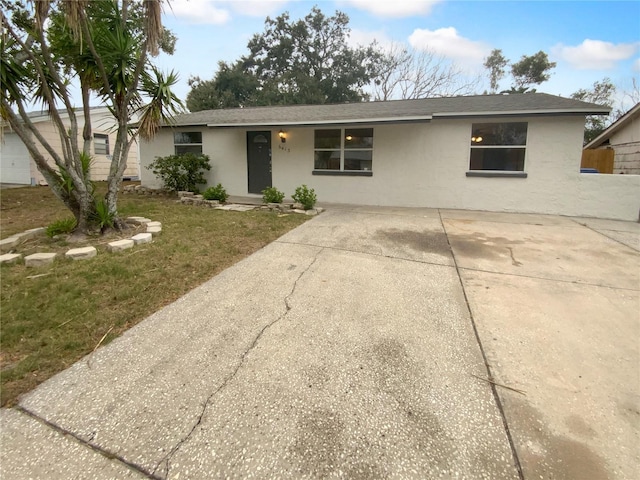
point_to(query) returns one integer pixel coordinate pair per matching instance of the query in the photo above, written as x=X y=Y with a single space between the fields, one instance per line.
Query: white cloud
x=636 y=65
x=595 y=54
x=448 y=43
x=364 y=38
x=217 y=12
x=199 y=11
x=395 y=8
x=257 y=8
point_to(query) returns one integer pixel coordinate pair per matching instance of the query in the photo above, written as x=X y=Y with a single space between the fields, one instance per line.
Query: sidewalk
x=356 y=346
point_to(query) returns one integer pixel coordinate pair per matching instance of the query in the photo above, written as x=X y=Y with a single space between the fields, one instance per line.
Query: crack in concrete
x=514 y=262
x=494 y=390
x=373 y=254
x=166 y=460
x=87 y=443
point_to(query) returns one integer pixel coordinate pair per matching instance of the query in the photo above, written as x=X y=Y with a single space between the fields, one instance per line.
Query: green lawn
x=52 y=316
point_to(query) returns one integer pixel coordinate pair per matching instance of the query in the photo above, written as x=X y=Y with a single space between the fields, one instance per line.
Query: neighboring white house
x=514 y=153
x=623 y=136
x=17 y=166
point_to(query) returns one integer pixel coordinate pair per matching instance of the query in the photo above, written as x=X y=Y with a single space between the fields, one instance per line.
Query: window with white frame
x=187 y=142
x=498 y=146
x=100 y=144
x=343 y=150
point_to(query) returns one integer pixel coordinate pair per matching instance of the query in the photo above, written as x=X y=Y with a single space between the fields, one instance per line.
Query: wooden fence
x=601 y=160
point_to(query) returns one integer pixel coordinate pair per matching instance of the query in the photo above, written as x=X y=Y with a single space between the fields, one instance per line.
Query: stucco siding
x=227 y=149
x=608 y=196
x=291 y=161
x=426 y=165
x=160 y=145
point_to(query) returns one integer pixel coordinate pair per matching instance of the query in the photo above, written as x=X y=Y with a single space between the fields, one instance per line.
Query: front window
x=498 y=146
x=187 y=142
x=100 y=144
x=344 y=149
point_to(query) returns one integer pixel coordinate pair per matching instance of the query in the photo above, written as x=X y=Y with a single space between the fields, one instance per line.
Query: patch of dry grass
x=52 y=316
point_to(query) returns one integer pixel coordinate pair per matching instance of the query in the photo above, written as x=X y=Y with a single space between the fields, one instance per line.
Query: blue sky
x=589 y=40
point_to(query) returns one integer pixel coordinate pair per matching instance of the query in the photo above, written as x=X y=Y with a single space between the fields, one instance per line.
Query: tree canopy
x=601 y=93
x=105 y=46
x=232 y=87
x=530 y=70
x=495 y=63
x=305 y=61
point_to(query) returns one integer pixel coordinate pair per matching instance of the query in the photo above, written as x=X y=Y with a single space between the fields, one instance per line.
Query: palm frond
x=15 y=77
x=164 y=104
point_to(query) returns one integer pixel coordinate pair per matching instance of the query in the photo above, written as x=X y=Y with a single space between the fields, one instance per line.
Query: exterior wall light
x=283 y=136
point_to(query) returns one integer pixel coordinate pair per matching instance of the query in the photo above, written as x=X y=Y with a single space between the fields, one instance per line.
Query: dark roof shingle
x=392 y=111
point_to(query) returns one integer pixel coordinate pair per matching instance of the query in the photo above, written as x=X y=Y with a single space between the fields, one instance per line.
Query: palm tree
x=106 y=46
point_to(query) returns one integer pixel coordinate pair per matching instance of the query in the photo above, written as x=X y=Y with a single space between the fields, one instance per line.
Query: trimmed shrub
x=181 y=172
x=305 y=196
x=216 y=193
x=272 y=195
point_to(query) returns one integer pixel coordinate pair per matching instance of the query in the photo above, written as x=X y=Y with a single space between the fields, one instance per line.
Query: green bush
x=216 y=193
x=86 y=161
x=102 y=217
x=181 y=172
x=61 y=227
x=305 y=196
x=272 y=195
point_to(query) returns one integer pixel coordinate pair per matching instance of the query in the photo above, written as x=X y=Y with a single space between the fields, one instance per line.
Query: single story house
x=623 y=136
x=18 y=167
x=508 y=153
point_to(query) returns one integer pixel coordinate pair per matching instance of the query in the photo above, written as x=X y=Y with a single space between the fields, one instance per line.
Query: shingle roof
x=619 y=124
x=393 y=111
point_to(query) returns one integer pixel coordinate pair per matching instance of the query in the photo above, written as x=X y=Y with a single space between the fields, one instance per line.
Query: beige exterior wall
x=102 y=122
x=626 y=143
x=425 y=165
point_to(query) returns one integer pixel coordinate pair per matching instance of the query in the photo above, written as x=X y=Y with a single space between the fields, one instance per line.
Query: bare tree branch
x=405 y=74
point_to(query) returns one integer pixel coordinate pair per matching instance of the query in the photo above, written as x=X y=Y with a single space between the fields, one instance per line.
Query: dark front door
x=259 y=160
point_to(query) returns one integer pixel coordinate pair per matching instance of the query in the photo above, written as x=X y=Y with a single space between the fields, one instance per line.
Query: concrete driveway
x=364 y=344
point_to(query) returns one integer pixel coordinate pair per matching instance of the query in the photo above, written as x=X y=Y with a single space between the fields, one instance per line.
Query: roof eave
x=524 y=113
x=311 y=123
x=613 y=128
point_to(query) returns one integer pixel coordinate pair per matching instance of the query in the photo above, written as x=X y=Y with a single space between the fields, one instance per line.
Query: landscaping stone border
x=152 y=228
x=9 y=243
x=189 y=198
x=81 y=253
x=140 y=190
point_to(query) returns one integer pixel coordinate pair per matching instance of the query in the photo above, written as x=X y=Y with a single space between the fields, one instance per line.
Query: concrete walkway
x=361 y=345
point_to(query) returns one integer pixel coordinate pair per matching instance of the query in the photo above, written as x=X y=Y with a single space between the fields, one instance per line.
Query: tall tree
x=106 y=46
x=309 y=60
x=232 y=86
x=531 y=70
x=495 y=63
x=602 y=93
x=306 y=61
x=408 y=74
